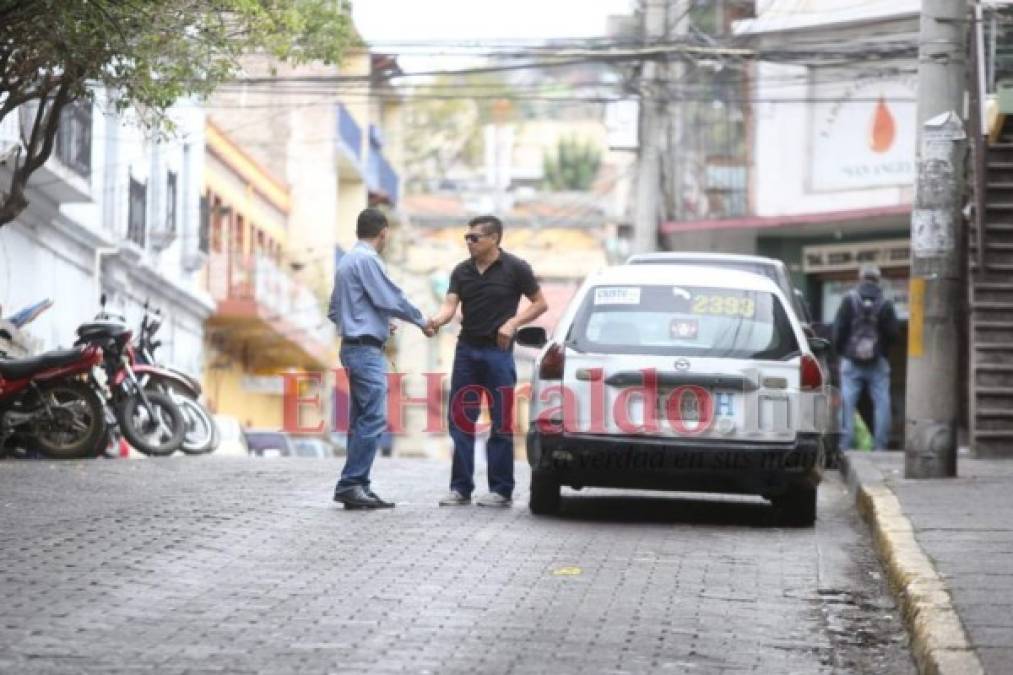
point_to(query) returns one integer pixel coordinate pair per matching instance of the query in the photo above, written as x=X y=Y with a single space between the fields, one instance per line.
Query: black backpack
x=863 y=340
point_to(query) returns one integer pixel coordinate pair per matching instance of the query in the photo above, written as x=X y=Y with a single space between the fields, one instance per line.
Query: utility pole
x=937 y=253
x=651 y=128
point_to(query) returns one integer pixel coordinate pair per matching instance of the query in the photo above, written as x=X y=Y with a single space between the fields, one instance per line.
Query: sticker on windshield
x=623 y=295
x=684 y=329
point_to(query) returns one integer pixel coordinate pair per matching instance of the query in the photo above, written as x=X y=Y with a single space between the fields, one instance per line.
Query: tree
x=146 y=54
x=446 y=124
x=573 y=166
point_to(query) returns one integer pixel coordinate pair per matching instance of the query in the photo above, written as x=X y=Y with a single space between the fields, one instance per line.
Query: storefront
x=831 y=271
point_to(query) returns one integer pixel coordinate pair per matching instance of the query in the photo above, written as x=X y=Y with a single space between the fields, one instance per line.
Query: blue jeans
x=493 y=370
x=367 y=410
x=875 y=376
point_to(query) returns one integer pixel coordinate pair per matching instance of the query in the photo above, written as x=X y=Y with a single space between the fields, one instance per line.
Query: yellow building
x=266 y=322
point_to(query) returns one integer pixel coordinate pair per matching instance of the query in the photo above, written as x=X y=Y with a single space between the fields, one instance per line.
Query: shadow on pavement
x=680 y=508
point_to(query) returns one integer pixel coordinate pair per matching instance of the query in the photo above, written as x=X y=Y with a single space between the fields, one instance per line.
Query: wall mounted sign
x=863 y=130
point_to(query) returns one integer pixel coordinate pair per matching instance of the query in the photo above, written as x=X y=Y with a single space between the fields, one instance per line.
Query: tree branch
x=47 y=123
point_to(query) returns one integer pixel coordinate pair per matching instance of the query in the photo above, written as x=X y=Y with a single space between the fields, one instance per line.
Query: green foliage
x=146 y=53
x=446 y=128
x=573 y=166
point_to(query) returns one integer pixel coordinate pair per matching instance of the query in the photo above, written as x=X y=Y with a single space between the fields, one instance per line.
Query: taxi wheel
x=797 y=508
x=545 y=498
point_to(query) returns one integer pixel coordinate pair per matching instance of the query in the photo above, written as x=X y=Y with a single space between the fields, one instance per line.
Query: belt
x=479 y=341
x=362 y=340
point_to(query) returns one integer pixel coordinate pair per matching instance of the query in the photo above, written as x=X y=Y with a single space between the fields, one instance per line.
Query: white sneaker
x=455 y=498
x=494 y=499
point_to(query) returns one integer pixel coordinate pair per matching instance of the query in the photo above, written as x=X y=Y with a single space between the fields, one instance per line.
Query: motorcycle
x=149 y=420
x=47 y=404
x=202 y=435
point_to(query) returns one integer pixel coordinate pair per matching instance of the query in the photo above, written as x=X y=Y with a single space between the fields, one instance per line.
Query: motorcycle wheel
x=159 y=436
x=79 y=425
x=201 y=431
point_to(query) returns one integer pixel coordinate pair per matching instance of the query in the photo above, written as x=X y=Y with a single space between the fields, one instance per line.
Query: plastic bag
x=862 y=439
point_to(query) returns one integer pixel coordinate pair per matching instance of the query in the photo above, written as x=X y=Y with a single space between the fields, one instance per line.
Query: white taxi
x=673 y=377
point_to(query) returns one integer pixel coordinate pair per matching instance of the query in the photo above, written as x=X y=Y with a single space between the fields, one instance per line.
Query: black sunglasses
x=472 y=238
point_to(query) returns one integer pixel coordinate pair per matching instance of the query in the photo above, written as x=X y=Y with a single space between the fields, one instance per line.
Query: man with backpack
x=864 y=330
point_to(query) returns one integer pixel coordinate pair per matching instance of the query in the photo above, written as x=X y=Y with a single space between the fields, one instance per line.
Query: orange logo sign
x=884 y=128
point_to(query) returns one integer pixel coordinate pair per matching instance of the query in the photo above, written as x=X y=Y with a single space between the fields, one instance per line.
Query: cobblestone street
x=211 y=565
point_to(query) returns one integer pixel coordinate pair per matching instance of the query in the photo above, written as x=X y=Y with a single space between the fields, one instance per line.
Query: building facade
x=266 y=321
x=114 y=211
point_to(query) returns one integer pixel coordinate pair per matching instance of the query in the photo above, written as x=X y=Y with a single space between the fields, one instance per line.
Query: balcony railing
x=349 y=133
x=280 y=300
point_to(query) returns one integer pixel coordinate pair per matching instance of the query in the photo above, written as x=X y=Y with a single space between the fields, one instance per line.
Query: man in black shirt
x=489 y=286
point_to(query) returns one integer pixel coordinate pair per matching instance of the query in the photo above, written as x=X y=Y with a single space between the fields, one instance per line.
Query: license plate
x=691 y=410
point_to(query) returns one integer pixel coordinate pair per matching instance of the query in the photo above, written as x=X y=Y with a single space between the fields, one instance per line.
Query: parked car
x=265 y=443
x=232 y=442
x=743 y=404
x=312 y=446
x=776 y=271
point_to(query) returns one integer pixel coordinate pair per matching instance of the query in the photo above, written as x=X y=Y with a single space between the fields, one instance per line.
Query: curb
x=938 y=641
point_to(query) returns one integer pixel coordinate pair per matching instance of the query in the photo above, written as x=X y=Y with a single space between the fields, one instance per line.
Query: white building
x=113 y=211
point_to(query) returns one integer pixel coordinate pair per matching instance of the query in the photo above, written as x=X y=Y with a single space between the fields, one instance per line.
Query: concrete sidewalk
x=948 y=548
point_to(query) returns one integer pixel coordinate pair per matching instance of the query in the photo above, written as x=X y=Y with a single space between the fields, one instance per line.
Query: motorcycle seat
x=18 y=369
x=100 y=330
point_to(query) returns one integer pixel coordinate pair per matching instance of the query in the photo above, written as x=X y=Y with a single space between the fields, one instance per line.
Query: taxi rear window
x=683 y=321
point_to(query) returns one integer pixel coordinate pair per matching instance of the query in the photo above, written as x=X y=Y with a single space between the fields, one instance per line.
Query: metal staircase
x=991 y=305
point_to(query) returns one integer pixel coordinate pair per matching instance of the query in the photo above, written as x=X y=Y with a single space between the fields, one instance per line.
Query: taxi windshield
x=683 y=321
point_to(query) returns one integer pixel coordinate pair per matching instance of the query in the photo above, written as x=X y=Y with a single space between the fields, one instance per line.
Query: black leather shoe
x=380 y=504
x=358 y=497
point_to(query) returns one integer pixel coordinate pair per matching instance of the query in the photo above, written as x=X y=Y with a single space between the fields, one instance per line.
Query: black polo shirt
x=488 y=300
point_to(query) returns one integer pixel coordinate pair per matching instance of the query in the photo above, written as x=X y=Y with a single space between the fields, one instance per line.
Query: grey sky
x=392 y=21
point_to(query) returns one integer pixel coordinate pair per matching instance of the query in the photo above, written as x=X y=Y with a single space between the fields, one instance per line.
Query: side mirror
x=532 y=336
x=6 y=334
x=819 y=345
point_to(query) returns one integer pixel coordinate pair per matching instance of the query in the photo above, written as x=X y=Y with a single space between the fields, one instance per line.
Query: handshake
x=432 y=327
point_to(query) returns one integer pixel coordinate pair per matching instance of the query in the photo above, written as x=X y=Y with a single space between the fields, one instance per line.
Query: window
x=204 y=231
x=171 y=190
x=137 y=212
x=73 y=138
x=684 y=321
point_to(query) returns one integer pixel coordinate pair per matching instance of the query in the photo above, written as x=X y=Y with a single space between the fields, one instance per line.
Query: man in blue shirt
x=362 y=304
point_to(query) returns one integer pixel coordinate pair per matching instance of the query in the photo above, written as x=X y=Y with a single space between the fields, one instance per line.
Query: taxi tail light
x=811 y=373
x=551 y=367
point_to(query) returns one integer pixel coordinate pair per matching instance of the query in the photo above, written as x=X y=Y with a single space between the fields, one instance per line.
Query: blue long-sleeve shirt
x=365 y=299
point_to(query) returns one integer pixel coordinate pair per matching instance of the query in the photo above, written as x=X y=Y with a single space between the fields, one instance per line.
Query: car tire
x=545 y=499
x=832 y=458
x=797 y=508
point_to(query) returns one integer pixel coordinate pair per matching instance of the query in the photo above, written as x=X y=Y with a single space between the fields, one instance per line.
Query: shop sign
x=846 y=257
x=863 y=130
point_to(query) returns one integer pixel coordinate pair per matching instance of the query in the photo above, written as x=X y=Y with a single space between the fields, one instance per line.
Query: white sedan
x=673 y=377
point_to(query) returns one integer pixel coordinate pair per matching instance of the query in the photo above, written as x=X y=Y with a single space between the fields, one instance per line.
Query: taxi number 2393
x=727 y=305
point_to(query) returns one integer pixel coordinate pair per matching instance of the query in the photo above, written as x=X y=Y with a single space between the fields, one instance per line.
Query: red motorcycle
x=151 y=422
x=47 y=403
